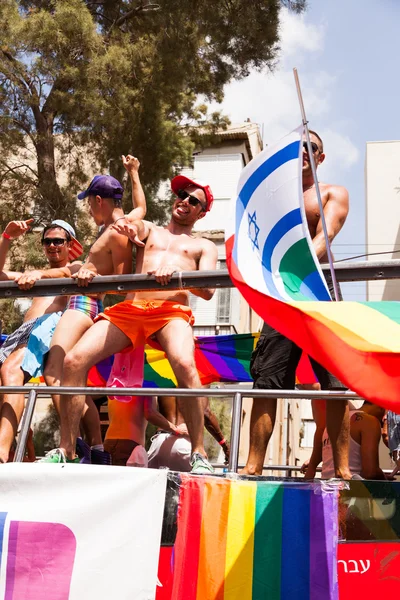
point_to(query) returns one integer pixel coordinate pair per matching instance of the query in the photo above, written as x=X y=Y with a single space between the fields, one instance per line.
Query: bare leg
x=176 y=339
x=13 y=404
x=69 y=330
x=262 y=423
x=319 y=416
x=338 y=426
x=91 y=423
x=99 y=342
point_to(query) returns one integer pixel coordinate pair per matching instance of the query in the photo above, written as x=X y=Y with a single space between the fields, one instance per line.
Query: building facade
x=382 y=190
x=220 y=165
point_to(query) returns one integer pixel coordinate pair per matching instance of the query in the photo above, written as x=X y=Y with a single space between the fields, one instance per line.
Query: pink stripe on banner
x=323 y=544
x=40 y=561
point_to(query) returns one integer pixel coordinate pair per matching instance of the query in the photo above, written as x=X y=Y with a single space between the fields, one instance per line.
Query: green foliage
x=11 y=316
x=46 y=434
x=222 y=410
x=82 y=82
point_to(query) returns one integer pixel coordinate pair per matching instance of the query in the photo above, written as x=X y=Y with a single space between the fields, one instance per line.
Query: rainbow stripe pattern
x=271 y=261
x=218 y=358
x=255 y=540
x=86 y=304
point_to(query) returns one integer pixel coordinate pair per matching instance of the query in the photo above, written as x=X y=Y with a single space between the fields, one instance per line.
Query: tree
x=222 y=410
x=46 y=434
x=82 y=82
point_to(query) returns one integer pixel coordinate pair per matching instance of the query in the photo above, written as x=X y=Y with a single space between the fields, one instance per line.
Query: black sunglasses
x=193 y=201
x=55 y=241
x=314 y=147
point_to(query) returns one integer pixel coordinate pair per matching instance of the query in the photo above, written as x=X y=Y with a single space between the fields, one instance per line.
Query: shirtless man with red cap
x=164 y=314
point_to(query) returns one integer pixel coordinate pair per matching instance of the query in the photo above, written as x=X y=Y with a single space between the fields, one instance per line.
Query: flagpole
x=315 y=177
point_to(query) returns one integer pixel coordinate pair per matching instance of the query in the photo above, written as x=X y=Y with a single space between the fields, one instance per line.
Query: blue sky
x=347 y=54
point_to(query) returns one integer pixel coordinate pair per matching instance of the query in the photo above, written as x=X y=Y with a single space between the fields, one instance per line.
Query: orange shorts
x=139 y=320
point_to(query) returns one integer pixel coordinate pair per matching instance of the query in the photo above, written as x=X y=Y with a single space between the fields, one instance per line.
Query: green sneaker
x=57 y=456
x=200 y=465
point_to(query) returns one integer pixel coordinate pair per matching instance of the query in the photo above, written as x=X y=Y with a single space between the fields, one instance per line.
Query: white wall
x=221 y=172
x=382 y=185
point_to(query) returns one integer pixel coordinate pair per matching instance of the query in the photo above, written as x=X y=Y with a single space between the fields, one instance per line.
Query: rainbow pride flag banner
x=255 y=540
x=219 y=358
x=272 y=262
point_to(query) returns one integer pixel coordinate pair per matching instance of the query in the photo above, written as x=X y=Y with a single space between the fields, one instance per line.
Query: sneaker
x=83 y=451
x=58 y=456
x=100 y=457
x=200 y=464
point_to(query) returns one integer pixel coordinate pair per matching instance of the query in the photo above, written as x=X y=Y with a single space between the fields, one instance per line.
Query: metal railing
x=345 y=271
x=236 y=393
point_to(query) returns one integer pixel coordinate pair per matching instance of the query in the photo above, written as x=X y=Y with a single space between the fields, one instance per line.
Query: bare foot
x=249 y=471
x=346 y=475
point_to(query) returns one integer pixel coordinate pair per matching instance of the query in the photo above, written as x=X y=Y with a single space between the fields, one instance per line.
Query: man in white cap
x=164 y=314
x=60 y=247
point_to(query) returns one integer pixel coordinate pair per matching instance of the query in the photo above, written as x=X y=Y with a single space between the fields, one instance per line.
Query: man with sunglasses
x=275 y=358
x=166 y=315
x=60 y=248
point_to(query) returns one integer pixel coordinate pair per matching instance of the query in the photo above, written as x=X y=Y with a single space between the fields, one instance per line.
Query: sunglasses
x=314 y=147
x=193 y=201
x=55 y=241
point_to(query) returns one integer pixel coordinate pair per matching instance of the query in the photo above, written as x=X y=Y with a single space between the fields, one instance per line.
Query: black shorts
x=275 y=358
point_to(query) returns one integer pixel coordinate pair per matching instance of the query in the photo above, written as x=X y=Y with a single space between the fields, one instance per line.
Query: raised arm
x=136 y=230
x=13 y=230
x=132 y=165
x=335 y=212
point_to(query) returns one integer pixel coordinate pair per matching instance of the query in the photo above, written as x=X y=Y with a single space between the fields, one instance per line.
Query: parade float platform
x=69 y=532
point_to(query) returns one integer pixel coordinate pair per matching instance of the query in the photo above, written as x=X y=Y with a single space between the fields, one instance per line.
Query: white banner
x=74 y=532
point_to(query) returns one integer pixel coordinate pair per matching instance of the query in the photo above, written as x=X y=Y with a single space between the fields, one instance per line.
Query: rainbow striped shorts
x=89 y=306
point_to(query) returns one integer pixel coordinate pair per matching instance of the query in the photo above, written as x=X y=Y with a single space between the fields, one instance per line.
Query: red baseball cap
x=180 y=182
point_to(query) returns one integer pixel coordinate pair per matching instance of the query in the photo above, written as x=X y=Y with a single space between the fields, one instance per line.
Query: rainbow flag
x=255 y=540
x=219 y=358
x=272 y=262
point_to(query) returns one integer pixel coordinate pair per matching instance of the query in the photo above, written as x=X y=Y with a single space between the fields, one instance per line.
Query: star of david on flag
x=271 y=260
x=254 y=230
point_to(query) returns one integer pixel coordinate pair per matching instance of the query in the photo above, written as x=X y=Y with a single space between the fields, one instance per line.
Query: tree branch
x=13 y=169
x=26 y=82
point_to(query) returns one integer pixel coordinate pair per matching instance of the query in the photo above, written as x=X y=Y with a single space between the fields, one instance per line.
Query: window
x=309 y=427
x=224 y=300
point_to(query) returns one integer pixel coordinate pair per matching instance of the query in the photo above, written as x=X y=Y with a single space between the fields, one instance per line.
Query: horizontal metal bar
x=345 y=271
x=209 y=392
x=279 y=467
x=121 y=284
x=365 y=270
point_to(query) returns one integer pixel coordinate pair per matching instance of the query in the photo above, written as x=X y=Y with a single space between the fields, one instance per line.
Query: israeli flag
x=272 y=247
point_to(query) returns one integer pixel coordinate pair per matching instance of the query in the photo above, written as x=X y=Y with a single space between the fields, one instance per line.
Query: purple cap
x=104 y=186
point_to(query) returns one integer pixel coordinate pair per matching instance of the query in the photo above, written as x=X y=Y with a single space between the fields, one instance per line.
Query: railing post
x=235 y=432
x=25 y=425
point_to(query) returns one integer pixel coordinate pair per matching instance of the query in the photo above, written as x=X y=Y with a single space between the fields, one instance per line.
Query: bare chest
x=183 y=246
x=311 y=206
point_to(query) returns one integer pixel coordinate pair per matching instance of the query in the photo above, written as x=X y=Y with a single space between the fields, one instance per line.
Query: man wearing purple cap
x=111 y=254
x=166 y=315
